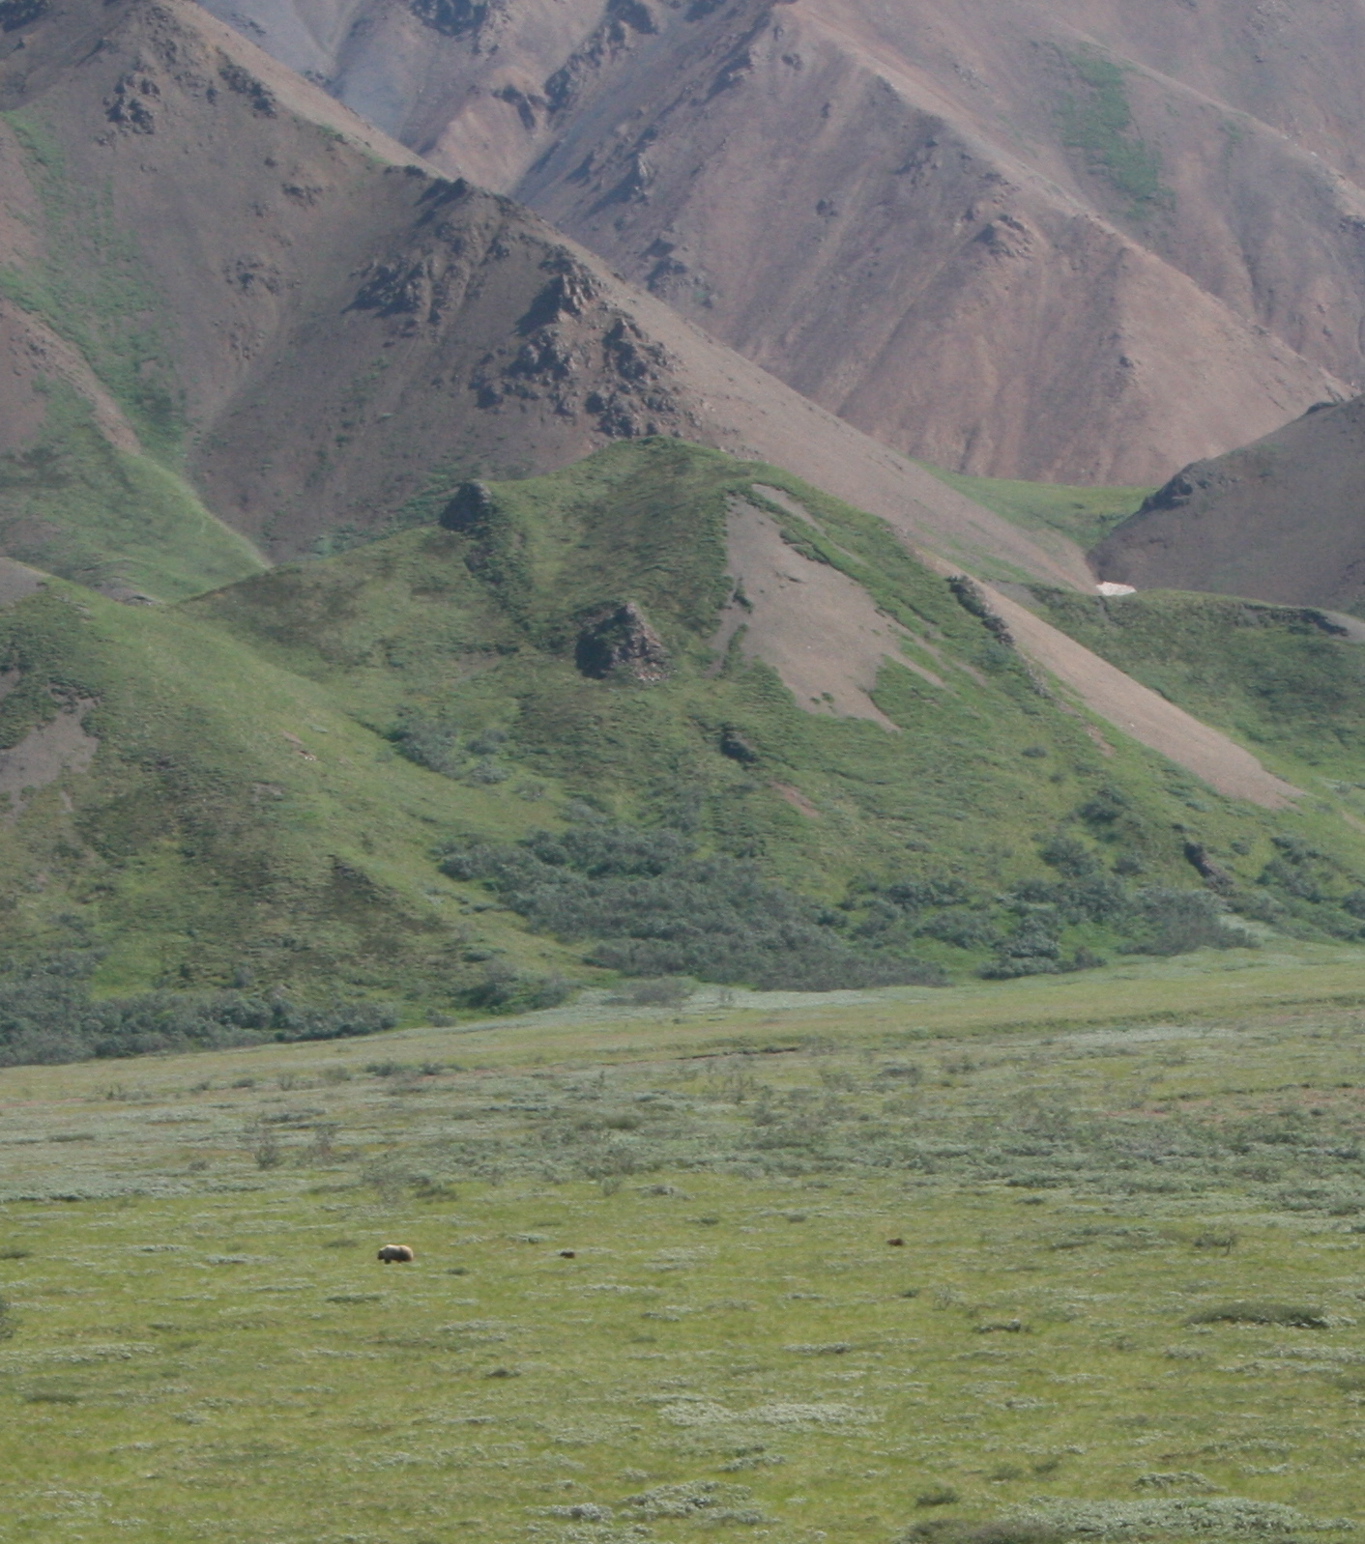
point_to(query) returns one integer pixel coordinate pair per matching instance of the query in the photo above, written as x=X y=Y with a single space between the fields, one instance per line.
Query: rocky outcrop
x=133 y=103
x=1212 y=872
x=469 y=509
x=621 y=642
x=586 y=359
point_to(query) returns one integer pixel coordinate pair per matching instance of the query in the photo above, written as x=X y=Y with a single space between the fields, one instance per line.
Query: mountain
x=1071 y=240
x=373 y=631
x=1280 y=519
x=275 y=324
x=275 y=333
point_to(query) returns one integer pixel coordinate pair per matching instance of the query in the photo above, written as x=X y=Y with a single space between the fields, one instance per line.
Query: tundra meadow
x=1072 y=1258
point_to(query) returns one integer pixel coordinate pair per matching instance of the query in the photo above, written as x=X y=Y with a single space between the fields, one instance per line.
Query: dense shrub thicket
x=437 y=745
x=48 y=1015
x=1025 y=927
x=649 y=905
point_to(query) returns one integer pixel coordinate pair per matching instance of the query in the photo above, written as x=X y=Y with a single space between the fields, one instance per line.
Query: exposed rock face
x=1213 y=873
x=621 y=642
x=1281 y=520
x=469 y=509
x=1069 y=239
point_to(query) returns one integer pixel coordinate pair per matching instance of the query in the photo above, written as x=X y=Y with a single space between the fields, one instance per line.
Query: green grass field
x=1083 y=515
x=1102 y=1184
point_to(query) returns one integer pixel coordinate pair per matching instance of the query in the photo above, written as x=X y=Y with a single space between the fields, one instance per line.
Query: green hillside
x=1085 y=515
x=236 y=829
x=995 y=815
x=327 y=780
x=114 y=519
x=1287 y=680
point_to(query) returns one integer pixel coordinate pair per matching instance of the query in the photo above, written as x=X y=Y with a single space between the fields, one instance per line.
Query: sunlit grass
x=653 y=1262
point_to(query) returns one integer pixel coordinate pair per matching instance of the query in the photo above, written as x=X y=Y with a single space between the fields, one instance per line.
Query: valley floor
x=657 y=1292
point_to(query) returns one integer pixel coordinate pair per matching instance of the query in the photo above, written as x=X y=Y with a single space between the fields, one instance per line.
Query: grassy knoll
x=1127 y=1293
x=1083 y=515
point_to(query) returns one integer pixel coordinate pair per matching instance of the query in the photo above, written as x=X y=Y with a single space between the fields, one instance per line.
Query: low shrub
x=47 y=1015
x=1286 y=1315
x=647 y=904
x=944 y=1530
x=507 y=990
x=1181 y=921
x=1215 y=1517
x=938 y=1495
x=1053 y=1522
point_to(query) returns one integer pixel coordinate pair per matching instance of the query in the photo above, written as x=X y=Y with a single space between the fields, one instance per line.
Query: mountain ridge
x=1064 y=242
x=339 y=283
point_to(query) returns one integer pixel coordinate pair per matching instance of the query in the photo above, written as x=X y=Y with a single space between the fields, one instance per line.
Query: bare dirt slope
x=1070 y=239
x=1280 y=520
x=819 y=629
x=1143 y=714
x=827 y=639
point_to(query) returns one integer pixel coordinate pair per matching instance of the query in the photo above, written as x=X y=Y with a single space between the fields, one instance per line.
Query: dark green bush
x=647 y=904
x=1285 y=1315
x=1180 y=921
x=507 y=990
x=48 y=1015
x=430 y=743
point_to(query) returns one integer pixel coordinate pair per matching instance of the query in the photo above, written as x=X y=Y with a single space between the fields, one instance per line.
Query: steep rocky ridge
x=284 y=305
x=1280 y=520
x=1078 y=241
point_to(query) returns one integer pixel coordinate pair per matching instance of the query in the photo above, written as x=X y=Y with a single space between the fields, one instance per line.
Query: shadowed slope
x=1281 y=520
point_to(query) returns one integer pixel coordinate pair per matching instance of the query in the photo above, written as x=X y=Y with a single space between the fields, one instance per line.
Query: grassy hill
x=235 y=828
x=1285 y=679
x=326 y=781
